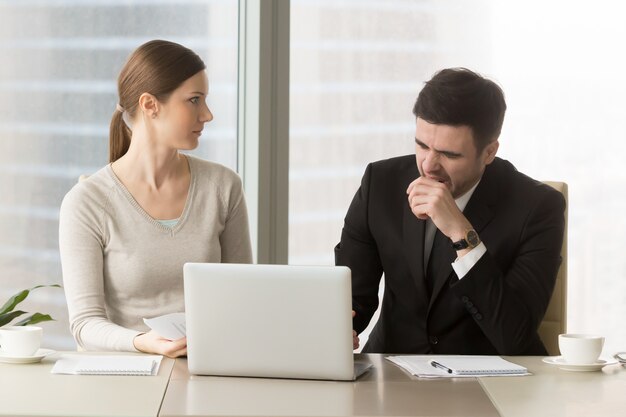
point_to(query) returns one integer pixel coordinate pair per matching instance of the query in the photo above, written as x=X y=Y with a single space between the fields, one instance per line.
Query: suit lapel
x=480 y=208
x=413 y=239
x=413 y=243
x=479 y=211
x=442 y=267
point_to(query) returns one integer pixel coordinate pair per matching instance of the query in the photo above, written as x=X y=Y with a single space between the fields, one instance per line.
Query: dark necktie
x=439 y=256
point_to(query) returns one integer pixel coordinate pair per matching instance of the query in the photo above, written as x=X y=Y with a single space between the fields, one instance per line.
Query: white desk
x=552 y=392
x=31 y=390
x=386 y=390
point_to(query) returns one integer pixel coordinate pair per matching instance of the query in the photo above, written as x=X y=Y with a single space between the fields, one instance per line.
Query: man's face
x=448 y=154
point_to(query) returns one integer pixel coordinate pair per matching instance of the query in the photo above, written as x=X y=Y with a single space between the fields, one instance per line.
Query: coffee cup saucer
x=38 y=356
x=587 y=367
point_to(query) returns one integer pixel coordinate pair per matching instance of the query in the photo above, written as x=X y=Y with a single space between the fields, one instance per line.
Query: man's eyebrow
x=446 y=153
x=420 y=143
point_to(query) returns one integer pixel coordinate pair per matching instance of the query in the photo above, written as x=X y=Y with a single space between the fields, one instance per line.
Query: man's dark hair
x=460 y=97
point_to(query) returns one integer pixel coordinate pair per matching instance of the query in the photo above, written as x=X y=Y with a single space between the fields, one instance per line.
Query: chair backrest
x=555 y=321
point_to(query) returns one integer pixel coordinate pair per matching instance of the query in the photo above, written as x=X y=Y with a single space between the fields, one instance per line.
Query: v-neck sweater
x=120 y=265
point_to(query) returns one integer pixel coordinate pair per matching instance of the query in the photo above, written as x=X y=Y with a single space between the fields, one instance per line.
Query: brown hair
x=458 y=96
x=157 y=67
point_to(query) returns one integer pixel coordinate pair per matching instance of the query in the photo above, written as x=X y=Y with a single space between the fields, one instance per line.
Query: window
x=357 y=67
x=58 y=69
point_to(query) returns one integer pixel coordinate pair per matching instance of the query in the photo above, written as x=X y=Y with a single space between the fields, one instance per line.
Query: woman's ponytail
x=119 y=137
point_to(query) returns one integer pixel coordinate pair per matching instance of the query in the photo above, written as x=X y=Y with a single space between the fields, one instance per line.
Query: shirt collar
x=462 y=201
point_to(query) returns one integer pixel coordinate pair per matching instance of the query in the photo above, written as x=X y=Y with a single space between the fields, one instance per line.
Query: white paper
x=479 y=365
x=107 y=365
x=170 y=326
x=420 y=366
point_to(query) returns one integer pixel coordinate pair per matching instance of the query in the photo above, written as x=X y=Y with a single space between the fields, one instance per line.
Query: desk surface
x=551 y=391
x=388 y=390
x=385 y=390
x=31 y=390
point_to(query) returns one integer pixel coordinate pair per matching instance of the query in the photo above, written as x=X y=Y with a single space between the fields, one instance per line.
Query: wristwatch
x=471 y=240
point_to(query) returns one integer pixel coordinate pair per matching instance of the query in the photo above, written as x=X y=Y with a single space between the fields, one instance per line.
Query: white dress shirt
x=461 y=265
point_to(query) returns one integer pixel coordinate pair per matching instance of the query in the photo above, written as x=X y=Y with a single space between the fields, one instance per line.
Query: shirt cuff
x=463 y=265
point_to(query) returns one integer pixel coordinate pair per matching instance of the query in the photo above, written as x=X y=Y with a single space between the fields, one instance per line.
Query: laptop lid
x=280 y=321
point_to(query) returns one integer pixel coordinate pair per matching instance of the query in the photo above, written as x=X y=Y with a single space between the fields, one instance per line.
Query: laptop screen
x=269 y=320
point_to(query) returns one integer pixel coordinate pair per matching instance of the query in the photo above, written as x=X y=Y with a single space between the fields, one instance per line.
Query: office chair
x=555 y=320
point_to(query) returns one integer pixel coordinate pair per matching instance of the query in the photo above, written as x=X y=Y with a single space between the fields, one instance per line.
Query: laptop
x=276 y=321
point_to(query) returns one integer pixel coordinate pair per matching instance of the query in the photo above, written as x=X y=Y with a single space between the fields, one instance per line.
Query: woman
x=126 y=231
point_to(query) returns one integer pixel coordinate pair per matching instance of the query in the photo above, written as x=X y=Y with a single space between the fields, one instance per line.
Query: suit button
x=433 y=340
x=473 y=310
x=469 y=304
x=465 y=299
x=478 y=316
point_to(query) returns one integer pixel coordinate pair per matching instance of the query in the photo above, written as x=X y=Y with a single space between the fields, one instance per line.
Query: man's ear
x=149 y=105
x=489 y=153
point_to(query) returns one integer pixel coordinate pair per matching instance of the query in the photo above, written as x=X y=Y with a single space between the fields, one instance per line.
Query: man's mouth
x=437 y=179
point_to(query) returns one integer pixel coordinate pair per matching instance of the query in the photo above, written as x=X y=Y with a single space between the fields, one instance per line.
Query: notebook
x=457 y=366
x=278 y=321
x=107 y=365
x=477 y=365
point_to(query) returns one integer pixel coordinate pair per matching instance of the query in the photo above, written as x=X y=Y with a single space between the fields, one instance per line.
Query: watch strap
x=471 y=240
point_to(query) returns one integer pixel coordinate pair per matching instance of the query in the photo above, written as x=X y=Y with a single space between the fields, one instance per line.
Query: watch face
x=472 y=238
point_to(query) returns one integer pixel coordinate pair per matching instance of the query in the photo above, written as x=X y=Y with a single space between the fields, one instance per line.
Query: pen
x=440 y=366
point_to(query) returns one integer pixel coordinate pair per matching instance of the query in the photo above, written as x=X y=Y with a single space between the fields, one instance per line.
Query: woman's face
x=181 y=118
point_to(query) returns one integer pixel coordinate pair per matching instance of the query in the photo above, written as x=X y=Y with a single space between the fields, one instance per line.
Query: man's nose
x=431 y=161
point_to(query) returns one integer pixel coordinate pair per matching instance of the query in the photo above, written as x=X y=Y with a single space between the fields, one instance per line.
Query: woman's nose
x=206 y=115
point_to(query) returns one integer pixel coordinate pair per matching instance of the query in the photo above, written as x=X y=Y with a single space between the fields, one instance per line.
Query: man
x=469 y=246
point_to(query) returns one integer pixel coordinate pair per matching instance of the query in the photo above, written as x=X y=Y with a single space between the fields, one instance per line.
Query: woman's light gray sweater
x=121 y=265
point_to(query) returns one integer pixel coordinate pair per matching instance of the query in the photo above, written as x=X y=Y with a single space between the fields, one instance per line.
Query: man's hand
x=153 y=343
x=431 y=199
x=355 y=338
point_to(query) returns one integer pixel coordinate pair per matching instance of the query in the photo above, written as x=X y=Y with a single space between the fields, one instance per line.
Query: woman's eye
x=194 y=100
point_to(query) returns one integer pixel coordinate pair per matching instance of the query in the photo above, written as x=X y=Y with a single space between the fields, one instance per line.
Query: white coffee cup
x=20 y=341
x=580 y=349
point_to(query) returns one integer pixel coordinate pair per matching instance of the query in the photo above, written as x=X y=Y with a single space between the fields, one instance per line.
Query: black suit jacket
x=496 y=308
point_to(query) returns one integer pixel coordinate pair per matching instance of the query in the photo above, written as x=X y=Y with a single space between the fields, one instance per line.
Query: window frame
x=263 y=124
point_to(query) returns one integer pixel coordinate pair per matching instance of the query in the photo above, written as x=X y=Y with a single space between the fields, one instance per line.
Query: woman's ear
x=149 y=105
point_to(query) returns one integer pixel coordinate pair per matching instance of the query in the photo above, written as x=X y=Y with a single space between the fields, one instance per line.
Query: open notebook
x=454 y=366
x=107 y=365
x=477 y=366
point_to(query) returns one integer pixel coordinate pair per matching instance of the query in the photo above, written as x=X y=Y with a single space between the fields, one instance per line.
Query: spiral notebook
x=107 y=365
x=477 y=366
x=457 y=366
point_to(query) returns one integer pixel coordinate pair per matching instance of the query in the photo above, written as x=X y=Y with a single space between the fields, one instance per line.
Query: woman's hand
x=151 y=342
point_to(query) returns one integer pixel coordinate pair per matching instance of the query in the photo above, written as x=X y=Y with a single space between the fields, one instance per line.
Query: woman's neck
x=150 y=165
